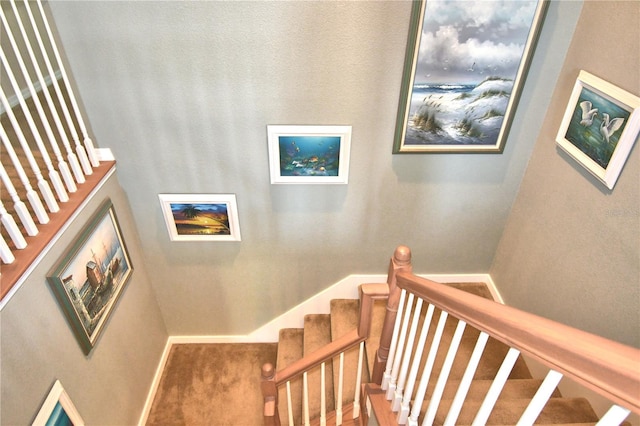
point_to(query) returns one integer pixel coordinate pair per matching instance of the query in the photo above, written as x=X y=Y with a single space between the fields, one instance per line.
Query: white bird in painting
x=588 y=113
x=609 y=127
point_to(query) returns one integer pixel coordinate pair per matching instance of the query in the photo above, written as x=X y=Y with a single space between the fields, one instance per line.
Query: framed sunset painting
x=201 y=217
x=465 y=66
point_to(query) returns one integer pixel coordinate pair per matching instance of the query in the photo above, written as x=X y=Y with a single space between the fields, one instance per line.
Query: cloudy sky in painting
x=465 y=41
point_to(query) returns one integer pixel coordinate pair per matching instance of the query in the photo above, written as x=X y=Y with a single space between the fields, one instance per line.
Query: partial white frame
x=275 y=131
x=57 y=394
x=620 y=97
x=232 y=211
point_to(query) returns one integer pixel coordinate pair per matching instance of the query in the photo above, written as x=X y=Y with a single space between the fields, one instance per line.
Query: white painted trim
x=155 y=383
x=54 y=240
x=26 y=93
x=105 y=154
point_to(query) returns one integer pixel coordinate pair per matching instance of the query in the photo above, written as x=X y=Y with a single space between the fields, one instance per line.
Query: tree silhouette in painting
x=191 y=212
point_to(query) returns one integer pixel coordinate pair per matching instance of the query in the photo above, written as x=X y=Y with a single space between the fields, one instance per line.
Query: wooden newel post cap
x=268 y=371
x=402 y=255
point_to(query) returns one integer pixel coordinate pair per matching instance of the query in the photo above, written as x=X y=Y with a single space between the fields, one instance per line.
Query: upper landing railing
x=48 y=164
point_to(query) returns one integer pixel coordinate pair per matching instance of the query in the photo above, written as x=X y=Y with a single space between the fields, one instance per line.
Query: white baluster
x=386 y=377
x=5 y=252
x=87 y=140
x=36 y=100
x=12 y=228
x=340 y=381
x=402 y=378
x=71 y=156
x=20 y=208
x=356 y=397
x=80 y=150
x=614 y=416
x=305 y=399
x=32 y=195
x=400 y=349
x=289 y=405
x=496 y=387
x=403 y=414
x=323 y=397
x=53 y=174
x=467 y=378
x=436 y=397
x=426 y=374
x=540 y=399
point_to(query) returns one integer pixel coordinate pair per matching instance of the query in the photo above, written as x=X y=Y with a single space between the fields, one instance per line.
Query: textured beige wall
x=571 y=248
x=37 y=346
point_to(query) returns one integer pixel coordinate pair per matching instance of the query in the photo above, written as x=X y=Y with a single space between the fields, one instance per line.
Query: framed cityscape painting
x=58 y=409
x=309 y=154
x=465 y=66
x=91 y=276
x=201 y=217
x=600 y=126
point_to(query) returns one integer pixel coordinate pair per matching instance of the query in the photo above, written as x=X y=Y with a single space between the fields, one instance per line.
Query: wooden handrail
x=599 y=364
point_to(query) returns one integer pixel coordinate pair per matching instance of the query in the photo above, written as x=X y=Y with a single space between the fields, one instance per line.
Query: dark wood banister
x=606 y=367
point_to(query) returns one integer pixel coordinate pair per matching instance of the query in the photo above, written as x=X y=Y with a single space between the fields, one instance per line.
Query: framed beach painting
x=201 y=217
x=599 y=127
x=58 y=409
x=91 y=276
x=465 y=66
x=309 y=154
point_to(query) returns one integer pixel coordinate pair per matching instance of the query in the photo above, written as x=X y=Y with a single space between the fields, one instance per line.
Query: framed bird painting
x=599 y=127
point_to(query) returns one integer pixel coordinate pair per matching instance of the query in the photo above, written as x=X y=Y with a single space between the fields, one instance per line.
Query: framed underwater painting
x=599 y=127
x=309 y=154
x=201 y=217
x=58 y=409
x=464 y=70
x=92 y=275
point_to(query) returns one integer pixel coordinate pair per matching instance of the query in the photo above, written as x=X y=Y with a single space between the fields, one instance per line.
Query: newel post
x=401 y=261
x=269 y=395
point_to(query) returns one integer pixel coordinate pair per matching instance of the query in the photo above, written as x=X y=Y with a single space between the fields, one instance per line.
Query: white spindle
x=356 y=397
x=614 y=416
x=53 y=173
x=428 y=367
x=305 y=399
x=5 y=252
x=71 y=156
x=403 y=414
x=386 y=377
x=399 y=350
x=36 y=99
x=32 y=195
x=496 y=387
x=467 y=378
x=87 y=140
x=289 y=404
x=540 y=399
x=436 y=397
x=323 y=396
x=12 y=228
x=80 y=150
x=402 y=378
x=20 y=208
x=340 y=382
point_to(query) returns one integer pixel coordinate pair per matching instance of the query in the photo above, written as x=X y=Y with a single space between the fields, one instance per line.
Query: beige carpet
x=212 y=385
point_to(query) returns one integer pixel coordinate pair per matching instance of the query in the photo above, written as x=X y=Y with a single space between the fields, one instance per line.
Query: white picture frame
x=309 y=154
x=599 y=127
x=201 y=217
x=58 y=409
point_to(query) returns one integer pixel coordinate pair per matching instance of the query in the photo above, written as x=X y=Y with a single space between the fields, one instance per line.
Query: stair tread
x=290 y=345
x=317 y=333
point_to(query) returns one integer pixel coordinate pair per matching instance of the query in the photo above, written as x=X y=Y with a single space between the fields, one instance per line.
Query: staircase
x=321 y=329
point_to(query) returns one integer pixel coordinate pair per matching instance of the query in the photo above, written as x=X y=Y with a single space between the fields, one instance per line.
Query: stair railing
x=606 y=367
x=43 y=150
x=272 y=380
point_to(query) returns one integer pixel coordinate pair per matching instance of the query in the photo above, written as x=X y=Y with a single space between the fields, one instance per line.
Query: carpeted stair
x=320 y=329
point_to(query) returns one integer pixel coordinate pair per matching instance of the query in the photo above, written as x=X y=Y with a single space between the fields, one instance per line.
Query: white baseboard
x=347 y=288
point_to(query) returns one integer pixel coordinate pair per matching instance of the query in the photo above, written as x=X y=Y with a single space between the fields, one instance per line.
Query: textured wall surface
x=569 y=238
x=182 y=93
